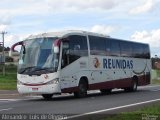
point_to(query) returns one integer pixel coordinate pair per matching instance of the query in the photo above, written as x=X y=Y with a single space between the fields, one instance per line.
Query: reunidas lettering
x=117 y=64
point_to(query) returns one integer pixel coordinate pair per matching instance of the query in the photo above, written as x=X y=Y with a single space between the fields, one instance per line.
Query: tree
x=1 y=48
x=8 y=59
x=155 y=62
x=5 y=49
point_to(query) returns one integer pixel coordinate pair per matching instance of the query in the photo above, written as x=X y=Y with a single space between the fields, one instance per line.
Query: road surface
x=94 y=104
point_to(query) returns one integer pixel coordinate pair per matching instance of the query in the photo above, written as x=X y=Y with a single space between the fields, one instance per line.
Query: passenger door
x=73 y=49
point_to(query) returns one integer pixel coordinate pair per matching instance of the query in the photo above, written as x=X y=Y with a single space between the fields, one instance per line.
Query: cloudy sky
x=136 y=20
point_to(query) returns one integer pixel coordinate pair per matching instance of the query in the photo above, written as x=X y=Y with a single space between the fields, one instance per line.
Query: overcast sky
x=136 y=20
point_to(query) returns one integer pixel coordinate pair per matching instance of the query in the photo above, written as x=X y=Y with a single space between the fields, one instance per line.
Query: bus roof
x=62 y=34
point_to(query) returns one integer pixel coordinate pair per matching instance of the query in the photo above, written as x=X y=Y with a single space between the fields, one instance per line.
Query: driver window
x=73 y=49
x=65 y=54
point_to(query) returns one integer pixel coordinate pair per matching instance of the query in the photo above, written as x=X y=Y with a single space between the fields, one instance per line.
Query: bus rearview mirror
x=12 y=50
x=56 y=49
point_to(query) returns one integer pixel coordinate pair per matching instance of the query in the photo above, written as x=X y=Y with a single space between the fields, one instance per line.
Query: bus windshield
x=37 y=57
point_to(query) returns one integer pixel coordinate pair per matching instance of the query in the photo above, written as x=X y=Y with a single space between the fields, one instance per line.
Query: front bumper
x=43 y=89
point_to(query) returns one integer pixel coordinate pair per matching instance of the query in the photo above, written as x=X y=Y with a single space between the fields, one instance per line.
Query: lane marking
x=10 y=94
x=155 y=90
x=5 y=109
x=149 y=86
x=114 y=108
x=8 y=100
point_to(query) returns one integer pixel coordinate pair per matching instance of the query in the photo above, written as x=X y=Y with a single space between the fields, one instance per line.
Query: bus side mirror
x=56 y=49
x=56 y=46
x=12 y=50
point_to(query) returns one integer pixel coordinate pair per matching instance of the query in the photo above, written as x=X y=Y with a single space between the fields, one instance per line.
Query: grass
x=155 y=77
x=9 y=81
x=147 y=113
x=156 y=81
x=158 y=72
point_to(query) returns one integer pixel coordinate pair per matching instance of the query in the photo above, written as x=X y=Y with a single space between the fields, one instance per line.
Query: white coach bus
x=78 y=61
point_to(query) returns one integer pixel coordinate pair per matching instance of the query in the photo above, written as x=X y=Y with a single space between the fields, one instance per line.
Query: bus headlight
x=55 y=81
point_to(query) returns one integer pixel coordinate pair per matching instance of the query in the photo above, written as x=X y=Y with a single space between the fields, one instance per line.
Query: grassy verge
x=147 y=113
x=156 y=81
x=8 y=82
x=155 y=77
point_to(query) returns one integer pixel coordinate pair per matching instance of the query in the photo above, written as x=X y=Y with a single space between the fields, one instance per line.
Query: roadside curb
x=9 y=94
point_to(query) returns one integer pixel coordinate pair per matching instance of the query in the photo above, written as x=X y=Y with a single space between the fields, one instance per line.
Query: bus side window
x=108 y=46
x=115 y=48
x=146 y=51
x=77 y=47
x=126 y=49
x=97 y=45
x=65 y=54
x=137 y=50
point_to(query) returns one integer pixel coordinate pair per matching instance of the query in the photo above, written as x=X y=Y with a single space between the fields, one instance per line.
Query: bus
x=78 y=61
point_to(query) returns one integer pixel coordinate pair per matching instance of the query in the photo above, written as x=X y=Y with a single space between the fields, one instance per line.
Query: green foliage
x=5 y=48
x=8 y=82
x=125 y=116
x=1 y=48
x=8 y=59
x=146 y=113
x=155 y=81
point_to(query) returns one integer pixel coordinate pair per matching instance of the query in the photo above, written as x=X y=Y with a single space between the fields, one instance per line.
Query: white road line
x=6 y=109
x=114 y=108
x=10 y=94
x=7 y=100
x=155 y=90
x=149 y=86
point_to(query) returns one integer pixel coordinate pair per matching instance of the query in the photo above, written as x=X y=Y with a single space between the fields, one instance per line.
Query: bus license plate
x=34 y=89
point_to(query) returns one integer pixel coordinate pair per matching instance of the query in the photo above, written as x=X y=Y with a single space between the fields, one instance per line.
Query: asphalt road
x=95 y=104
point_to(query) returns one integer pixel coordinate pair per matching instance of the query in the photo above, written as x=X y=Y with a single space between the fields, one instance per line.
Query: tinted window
x=115 y=48
x=97 y=45
x=78 y=45
x=73 y=49
x=126 y=49
x=137 y=50
x=108 y=46
x=146 y=53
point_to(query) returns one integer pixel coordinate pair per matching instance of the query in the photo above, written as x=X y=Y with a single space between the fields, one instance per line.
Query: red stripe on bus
x=34 y=84
x=121 y=83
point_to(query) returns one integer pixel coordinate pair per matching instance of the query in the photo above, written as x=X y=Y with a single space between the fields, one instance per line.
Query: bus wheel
x=133 y=87
x=47 y=96
x=105 y=91
x=82 y=89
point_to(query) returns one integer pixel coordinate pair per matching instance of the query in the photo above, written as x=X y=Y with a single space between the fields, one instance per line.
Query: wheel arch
x=135 y=78
x=85 y=79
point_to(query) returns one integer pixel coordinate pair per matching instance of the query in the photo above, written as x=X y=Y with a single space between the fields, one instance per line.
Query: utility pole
x=3 y=54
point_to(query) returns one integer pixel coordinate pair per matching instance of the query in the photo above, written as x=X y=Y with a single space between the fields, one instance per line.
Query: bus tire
x=82 y=89
x=133 y=87
x=47 y=96
x=105 y=91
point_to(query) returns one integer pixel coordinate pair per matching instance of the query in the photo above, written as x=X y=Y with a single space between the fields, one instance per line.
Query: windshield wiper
x=27 y=68
x=39 y=71
x=44 y=69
